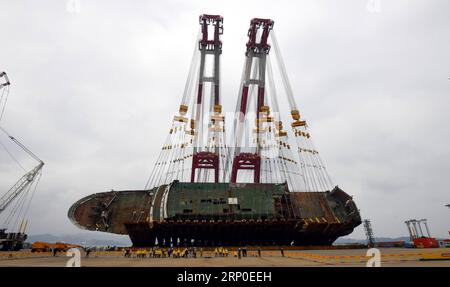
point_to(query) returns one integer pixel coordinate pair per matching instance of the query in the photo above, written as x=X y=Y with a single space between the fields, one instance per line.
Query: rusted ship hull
x=211 y=214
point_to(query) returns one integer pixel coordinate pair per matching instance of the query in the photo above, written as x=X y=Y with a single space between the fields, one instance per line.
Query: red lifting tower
x=256 y=49
x=207 y=159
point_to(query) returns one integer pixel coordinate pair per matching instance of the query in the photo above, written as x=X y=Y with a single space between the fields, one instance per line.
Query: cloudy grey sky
x=93 y=92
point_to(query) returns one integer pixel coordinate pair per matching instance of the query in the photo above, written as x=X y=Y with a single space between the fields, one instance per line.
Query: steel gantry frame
x=195 y=149
x=415 y=228
x=259 y=49
x=206 y=159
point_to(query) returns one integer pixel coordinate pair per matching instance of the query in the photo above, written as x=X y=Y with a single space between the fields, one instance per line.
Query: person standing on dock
x=282 y=252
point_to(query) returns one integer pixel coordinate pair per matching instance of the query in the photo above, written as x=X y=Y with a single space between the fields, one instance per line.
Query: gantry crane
x=260 y=149
x=208 y=158
x=417 y=235
x=256 y=49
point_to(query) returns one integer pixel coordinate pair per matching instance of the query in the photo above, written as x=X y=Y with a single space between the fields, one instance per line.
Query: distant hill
x=90 y=240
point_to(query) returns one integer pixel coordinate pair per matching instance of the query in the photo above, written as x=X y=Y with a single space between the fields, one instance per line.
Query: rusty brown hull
x=211 y=214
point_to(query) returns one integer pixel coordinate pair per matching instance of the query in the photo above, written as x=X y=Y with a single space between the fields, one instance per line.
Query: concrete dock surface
x=390 y=257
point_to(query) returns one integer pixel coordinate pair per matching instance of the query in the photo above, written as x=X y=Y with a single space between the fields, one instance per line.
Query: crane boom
x=19 y=186
x=25 y=180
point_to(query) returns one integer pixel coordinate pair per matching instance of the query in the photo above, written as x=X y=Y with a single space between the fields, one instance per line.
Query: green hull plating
x=220 y=214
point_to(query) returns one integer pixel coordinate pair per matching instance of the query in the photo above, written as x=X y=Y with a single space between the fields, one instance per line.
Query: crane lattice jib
x=19 y=186
x=25 y=180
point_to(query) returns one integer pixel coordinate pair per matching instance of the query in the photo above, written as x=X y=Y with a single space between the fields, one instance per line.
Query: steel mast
x=207 y=156
x=196 y=145
x=257 y=50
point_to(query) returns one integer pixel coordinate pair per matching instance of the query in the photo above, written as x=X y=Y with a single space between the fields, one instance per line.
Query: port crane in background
x=417 y=236
x=448 y=205
x=19 y=196
x=369 y=233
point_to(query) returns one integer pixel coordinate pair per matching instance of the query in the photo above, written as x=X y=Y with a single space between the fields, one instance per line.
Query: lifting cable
x=12 y=157
x=21 y=145
x=33 y=193
x=315 y=174
x=18 y=202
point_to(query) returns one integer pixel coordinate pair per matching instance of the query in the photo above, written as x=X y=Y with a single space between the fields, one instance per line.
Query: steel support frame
x=207 y=159
x=252 y=161
x=246 y=161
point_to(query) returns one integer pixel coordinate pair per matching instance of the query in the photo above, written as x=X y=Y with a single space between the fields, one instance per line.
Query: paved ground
x=391 y=257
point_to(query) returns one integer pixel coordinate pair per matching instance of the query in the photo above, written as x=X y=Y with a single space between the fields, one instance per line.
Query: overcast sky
x=94 y=89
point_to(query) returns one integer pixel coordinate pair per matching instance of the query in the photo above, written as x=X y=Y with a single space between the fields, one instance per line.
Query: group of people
x=239 y=253
x=156 y=252
x=188 y=252
x=221 y=252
